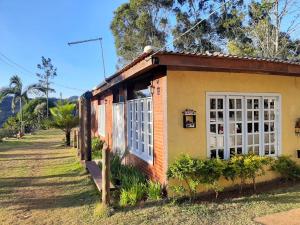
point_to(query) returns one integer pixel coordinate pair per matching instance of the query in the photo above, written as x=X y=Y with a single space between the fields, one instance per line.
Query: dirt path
x=42 y=182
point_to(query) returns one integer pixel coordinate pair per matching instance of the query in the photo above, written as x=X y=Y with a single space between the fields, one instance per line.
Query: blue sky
x=34 y=28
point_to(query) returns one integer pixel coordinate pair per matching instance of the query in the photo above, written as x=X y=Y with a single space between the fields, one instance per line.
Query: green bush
x=97 y=145
x=287 y=168
x=186 y=169
x=210 y=173
x=154 y=190
x=132 y=195
x=125 y=175
x=246 y=167
x=6 y=133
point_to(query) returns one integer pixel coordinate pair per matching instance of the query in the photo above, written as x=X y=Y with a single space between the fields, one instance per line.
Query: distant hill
x=5 y=107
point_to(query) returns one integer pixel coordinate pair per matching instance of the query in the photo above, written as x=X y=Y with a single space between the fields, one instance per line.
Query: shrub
x=6 y=133
x=154 y=190
x=210 y=173
x=186 y=169
x=287 y=168
x=132 y=195
x=246 y=167
x=97 y=145
x=125 y=175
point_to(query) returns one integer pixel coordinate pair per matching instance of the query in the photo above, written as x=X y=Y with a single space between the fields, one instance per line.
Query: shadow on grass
x=49 y=158
x=61 y=201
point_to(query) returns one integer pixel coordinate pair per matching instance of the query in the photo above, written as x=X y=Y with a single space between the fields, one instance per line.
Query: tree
x=140 y=23
x=271 y=25
x=64 y=118
x=48 y=72
x=19 y=94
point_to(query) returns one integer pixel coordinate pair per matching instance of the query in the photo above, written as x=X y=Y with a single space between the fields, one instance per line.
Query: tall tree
x=140 y=23
x=270 y=28
x=48 y=72
x=19 y=94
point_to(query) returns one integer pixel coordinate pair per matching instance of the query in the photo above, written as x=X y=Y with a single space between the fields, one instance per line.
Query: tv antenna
x=101 y=47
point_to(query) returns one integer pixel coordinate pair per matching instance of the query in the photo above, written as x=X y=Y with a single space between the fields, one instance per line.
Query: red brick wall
x=157 y=171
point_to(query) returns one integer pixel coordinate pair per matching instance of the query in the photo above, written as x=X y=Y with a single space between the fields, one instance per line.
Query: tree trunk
x=68 y=138
x=21 y=118
x=254 y=184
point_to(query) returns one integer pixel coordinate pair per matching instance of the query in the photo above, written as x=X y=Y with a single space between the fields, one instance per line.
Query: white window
x=242 y=124
x=101 y=120
x=140 y=128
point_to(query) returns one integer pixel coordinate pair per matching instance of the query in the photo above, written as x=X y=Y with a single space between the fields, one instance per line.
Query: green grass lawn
x=42 y=182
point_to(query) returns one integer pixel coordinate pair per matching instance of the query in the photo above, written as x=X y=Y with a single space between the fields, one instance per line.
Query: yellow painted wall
x=187 y=89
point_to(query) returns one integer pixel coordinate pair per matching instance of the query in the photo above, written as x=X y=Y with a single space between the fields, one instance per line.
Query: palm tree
x=15 y=89
x=65 y=118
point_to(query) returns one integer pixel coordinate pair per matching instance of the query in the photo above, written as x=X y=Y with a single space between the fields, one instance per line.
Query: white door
x=118 y=128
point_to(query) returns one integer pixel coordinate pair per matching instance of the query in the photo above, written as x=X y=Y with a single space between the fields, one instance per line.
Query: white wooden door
x=118 y=128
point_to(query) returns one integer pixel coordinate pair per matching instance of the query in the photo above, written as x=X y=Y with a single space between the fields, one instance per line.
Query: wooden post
x=87 y=127
x=81 y=129
x=105 y=175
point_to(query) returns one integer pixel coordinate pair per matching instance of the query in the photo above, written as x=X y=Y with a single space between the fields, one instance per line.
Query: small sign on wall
x=189 y=118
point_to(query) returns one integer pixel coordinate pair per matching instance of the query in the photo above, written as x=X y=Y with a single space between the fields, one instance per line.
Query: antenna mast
x=101 y=47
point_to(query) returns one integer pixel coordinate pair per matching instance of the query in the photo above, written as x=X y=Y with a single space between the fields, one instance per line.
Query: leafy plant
x=97 y=145
x=186 y=169
x=132 y=195
x=210 y=173
x=64 y=118
x=154 y=190
x=287 y=168
x=246 y=167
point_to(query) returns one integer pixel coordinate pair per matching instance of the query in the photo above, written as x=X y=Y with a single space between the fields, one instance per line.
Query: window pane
x=256 y=138
x=266 y=149
x=272 y=115
x=220 y=129
x=272 y=148
x=231 y=116
x=256 y=150
x=221 y=154
x=239 y=103
x=212 y=116
x=256 y=105
x=239 y=151
x=220 y=103
x=249 y=128
x=239 y=128
x=213 y=154
x=220 y=116
x=249 y=115
x=256 y=115
x=272 y=103
x=232 y=141
x=266 y=105
x=250 y=139
x=231 y=103
x=212 y=103
x=232 y=128
x=213 y=142
x=249 y=103
x=239 y=115
x=256 y=127
x=220 y=141
x=213 y=128
x=239 y=140
x=266 y=115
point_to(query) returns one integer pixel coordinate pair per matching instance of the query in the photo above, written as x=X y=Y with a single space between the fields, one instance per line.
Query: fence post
x=105 y=175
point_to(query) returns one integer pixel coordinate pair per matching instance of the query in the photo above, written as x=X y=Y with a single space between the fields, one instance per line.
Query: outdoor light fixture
x=151 y=88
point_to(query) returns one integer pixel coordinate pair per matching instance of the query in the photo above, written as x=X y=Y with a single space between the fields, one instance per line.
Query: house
x=167 y=103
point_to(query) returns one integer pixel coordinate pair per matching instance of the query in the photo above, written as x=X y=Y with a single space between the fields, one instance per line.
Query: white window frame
x=134 y=128
x=101 y=120
x=244 y=96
